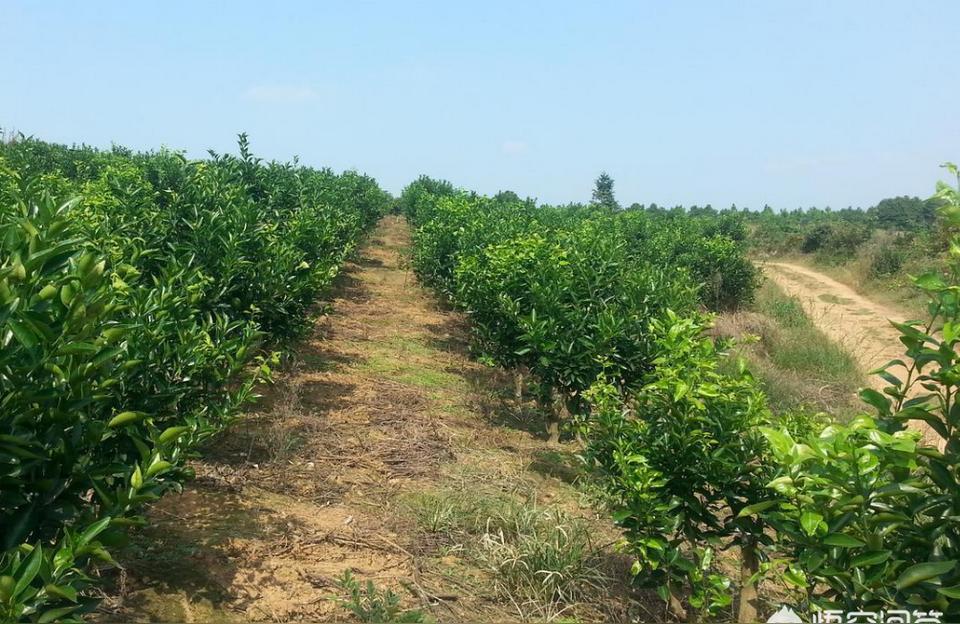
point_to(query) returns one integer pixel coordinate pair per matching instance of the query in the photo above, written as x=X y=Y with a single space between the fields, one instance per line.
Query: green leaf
x=56 y=614
x=923 y=572
x=61 y=591
x=171 y=433
x=795 y=577
x=751 y=510
x=869 y=559
x=929 y=281
x=779 y=440
x=125 y=418
x=842 y=540
x=810 y=521
x=157 y=467
x=950 y=592
x=28 y=570
x=136 y=479
x=664 y=592
x=92 y=531
x=23 y=333
x=875 y=399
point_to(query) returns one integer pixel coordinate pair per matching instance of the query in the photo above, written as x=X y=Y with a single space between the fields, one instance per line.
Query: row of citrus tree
x=606 y=313
x=139 y=297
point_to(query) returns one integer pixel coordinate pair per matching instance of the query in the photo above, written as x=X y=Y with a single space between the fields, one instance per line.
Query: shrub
x=135 y=321
x=886 y=261
x=865 y=514
x=679 y=457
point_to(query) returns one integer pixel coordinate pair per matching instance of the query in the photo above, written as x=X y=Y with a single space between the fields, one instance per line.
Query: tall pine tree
x=603 y=192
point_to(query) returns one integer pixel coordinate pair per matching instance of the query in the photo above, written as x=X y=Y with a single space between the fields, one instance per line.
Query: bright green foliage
x=680 y=456
x=867 y=517
x=133 y=319
x=850 y=516
x=578 y=294
x=710 y=248
x=556 y=292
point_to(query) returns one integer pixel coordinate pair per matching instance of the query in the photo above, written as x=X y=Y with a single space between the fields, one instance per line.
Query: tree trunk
x=556 y=413
x=749 y=564
x=518 y=393
x=677 y=609
x=546 y=403
x=553 y=427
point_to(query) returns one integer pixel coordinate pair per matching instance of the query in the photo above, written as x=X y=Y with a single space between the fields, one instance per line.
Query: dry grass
x=798 y=366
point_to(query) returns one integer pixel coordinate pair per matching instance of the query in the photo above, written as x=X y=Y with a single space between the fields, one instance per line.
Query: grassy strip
x=798 y=366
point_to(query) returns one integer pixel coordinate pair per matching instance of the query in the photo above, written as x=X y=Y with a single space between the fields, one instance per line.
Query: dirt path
x=378 y=452
x=860 y=325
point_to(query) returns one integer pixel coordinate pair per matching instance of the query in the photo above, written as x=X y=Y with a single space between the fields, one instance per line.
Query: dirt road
x=852 y=320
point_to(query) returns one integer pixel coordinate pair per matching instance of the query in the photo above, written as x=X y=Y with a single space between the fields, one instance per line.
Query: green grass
x=785 y=311
x=412 y=373
x=811 y=353
x=539 y=560
x=368 y=603
x=542 y=560
x=798 y=346
x=402 y=344
x=798 y=366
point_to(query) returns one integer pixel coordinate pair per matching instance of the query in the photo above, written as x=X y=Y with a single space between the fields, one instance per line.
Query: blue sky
x=786 y=103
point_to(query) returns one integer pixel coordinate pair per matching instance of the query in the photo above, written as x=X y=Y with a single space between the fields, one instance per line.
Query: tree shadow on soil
x=492 y=388
x=183 y=564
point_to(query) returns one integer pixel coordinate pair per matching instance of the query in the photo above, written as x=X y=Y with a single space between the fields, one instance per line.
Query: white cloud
x=513 y=147
x=281 y=94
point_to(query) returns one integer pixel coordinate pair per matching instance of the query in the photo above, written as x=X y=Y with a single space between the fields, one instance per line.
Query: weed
x=541 y=561
x=381 y=606
x=411 y=373
x=786 y=311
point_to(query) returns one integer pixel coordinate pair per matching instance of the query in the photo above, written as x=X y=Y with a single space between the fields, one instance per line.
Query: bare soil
x=382 y=402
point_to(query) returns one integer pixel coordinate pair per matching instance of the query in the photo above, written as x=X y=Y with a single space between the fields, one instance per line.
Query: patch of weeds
x=785 y=311
x=381 y=606
x=263 y=442
x=455 y=512
x=815 y=354
x=799 y=346
x=281 y=442
x=557 y=464
x=798 y=366
x=412 y=346
x=543 y=562
x=414 y=375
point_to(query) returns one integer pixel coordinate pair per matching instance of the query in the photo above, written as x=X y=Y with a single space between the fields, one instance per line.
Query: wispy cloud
x=281 y=94
x=513 y=147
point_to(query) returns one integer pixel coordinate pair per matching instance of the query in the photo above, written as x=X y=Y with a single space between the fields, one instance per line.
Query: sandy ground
x=860 y=325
